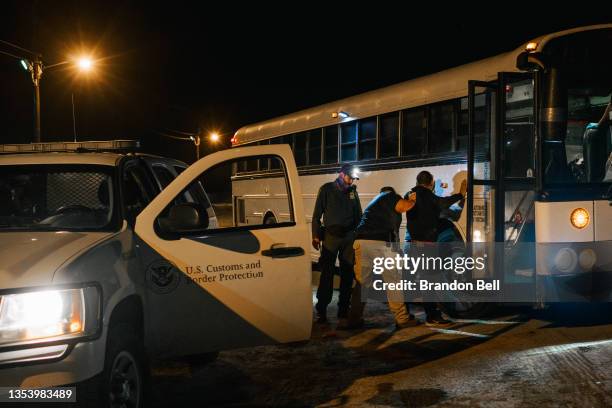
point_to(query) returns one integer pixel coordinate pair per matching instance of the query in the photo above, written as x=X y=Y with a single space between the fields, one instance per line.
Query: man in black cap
x=338 y=204
x=423 y=226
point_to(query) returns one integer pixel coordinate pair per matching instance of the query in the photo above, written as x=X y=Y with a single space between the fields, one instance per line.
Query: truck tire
x=124 y=381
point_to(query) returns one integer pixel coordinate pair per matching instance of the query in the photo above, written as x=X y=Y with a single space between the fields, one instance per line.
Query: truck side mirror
x=184 y=217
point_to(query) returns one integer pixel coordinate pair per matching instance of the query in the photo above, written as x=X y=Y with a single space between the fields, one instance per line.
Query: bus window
x=587 y=147
x=300 y=149
x=231 y=196
x=481 y=125
x=348 y=134
x=367 y=139
x=274 y=164
x=389 y=135
x=462 y=126
x=519 y=130
x=247 y=165
x=264 y=164
x=414 y=132
x=330 y=143
x=289 y=139
x=575 y=148
x=314 y=147
x=441 y=127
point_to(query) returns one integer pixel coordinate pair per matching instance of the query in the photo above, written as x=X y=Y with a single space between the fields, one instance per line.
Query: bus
x=512 y=125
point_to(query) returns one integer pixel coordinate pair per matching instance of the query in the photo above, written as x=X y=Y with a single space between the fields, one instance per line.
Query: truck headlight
x=47 y=315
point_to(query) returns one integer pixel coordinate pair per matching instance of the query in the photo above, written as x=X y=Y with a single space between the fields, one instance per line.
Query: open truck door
x=235 y=284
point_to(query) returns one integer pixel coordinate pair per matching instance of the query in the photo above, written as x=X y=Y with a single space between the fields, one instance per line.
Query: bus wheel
x=269 y=219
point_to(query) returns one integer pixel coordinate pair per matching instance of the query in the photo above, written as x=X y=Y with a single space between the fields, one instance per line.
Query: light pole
x=73 y=118
x=196 y=138
x=35 y=67
x=196 y=141
x=36 y=70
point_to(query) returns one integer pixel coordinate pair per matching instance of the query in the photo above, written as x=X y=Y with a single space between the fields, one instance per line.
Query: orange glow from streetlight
x=214 y=137
x=85 y=63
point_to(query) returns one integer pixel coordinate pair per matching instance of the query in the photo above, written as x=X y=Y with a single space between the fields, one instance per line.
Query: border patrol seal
x=162 y=277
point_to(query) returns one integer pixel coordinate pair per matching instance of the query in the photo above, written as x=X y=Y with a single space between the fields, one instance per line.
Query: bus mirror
x=530 y=61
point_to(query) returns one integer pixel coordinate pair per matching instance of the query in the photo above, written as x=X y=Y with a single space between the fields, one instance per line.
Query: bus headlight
x=566 y=260
x=587 y=259
x=580 y=218
x=45 y=315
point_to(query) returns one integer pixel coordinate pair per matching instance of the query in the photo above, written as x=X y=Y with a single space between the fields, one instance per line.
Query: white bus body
x=528 y=167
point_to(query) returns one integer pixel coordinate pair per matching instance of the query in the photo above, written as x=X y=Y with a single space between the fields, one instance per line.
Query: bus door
x=517 y=176
x=482 y=173
x=501 y=176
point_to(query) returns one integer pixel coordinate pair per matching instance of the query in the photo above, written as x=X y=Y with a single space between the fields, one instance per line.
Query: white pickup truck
x=110 y=260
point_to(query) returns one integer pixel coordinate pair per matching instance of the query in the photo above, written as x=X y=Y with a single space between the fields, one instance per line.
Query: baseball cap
x=350 y=170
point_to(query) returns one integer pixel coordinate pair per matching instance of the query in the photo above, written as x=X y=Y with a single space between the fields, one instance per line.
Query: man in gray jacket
x=338 y=204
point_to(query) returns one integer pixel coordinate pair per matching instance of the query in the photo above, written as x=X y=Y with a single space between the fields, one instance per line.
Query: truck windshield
x=56 y=197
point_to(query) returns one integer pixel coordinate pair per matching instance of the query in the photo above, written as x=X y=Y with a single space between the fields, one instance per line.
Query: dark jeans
x=331 y=249
x=431 y=308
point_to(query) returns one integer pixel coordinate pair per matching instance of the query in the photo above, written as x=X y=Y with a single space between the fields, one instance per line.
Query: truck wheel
x=124 y=381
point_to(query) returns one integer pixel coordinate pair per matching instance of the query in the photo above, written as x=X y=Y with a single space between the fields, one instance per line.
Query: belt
x=421 y=244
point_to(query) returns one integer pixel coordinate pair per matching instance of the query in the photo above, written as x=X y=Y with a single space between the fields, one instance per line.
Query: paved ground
x=516 y=358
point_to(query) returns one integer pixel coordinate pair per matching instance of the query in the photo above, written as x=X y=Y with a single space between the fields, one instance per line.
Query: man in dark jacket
x=422 y=225
x=378 y=237
x=338 y=204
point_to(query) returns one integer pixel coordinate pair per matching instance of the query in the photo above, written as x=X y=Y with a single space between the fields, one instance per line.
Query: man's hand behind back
x=316 y=243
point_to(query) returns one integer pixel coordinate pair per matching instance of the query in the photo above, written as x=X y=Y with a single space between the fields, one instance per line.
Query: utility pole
x=35 y=67
x=73 y=119
x=196 y=141
x=36 y=70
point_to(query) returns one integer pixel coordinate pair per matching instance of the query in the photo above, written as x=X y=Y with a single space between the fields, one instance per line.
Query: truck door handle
x=277 y=251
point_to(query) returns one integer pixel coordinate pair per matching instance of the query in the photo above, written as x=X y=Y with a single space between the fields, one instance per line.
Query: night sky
x=179 y=66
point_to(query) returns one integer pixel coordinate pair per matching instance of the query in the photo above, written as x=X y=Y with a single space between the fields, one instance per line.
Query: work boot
x=355 y=324
x=343 y=323
x=321 y=317
x=437 y=320
x=411 y=322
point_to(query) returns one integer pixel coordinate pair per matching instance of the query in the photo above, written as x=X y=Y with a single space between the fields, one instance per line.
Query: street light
x=195 y=138
x=214 y=137
x=35 y=67
x=85 y=63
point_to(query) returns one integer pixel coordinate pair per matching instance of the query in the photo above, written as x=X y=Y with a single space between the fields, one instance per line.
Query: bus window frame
x=355 y=142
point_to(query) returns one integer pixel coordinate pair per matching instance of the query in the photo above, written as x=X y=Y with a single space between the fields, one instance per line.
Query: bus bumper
x=574 y=272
